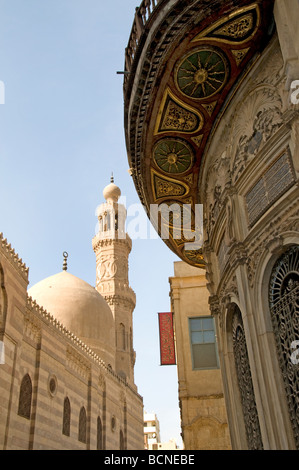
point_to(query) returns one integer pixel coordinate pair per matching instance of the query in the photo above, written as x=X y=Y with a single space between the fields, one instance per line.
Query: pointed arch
x=25 y=397
x=82 y=432
x=66 y=424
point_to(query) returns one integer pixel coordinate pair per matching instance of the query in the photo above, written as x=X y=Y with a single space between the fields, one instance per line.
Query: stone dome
x=112 y=192
x=81 y=309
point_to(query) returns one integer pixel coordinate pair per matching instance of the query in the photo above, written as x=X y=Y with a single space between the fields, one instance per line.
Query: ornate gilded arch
x=195 y=69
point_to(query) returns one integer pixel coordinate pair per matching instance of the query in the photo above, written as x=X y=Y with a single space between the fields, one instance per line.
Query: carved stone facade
x=251 y=212
x=243 y=155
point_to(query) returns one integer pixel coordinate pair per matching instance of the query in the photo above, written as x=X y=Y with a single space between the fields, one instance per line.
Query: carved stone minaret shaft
x=112 y=246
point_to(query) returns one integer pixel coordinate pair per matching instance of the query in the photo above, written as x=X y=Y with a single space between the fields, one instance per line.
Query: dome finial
x=112 y=178
x=112 y=192
x=65 y=255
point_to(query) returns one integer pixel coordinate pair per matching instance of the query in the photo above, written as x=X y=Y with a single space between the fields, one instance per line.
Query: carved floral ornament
x=107 y=268
x=257 y=119
x=192 y=96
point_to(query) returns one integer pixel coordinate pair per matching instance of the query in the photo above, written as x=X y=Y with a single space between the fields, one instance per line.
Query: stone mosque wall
x=56 y=393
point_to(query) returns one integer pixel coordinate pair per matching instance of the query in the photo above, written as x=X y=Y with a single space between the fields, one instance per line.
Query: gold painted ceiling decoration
x=173 y=156
x=176 y=116
x=193 y=92
x=202 y=73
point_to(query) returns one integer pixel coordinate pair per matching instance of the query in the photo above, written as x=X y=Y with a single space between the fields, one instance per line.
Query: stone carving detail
x=122 y=398
x=219 y=179
x=272 y=70
x=107 y=268
x=101 y=382
x=258 y=118
x=225 y=299
x=271 y=233
x=32 y=327
x=77 y=362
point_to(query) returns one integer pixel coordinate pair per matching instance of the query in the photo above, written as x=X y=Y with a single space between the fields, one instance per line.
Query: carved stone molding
x=259 y=116
x=32 y=328
x=218 y=179
x=128 y=301
x=106 y=268
x=214 y=305
x=77 y=362
x=101 y=382
x=271 y=240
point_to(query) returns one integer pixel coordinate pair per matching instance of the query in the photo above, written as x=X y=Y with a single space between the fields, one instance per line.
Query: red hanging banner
x=167 y=347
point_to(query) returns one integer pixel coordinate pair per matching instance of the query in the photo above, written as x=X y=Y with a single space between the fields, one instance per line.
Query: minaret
x=112 y=246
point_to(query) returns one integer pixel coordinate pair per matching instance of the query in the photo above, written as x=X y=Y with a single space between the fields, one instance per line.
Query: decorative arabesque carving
x=219 y=179
x=32 y=327
x=101 y=382
x=258 y=118
x=177 y=117
x=251 y=420
x=272 y=232
x=284 y=309
x=237 y=29
x=107 y=268
x=165 y=187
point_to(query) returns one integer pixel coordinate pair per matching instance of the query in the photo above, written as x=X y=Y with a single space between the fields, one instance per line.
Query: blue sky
x=61 y=137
